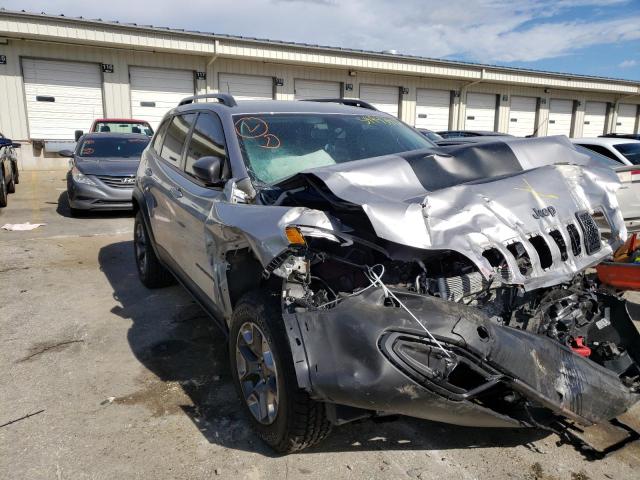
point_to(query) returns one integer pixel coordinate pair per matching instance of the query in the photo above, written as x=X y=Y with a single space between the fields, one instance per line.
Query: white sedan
x=622 y=150
x=629 y=175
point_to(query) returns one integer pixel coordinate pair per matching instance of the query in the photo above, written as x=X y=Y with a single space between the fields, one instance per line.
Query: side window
x=175 y=136
x=207 y=140
x=602 y=151
x=159 y=138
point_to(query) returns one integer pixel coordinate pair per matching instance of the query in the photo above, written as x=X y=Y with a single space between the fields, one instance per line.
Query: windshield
x=631 y=151
x=276 y=146
x=112 y=147
x=123 y=127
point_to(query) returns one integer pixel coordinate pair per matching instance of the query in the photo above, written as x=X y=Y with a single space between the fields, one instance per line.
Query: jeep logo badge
x=539 y=213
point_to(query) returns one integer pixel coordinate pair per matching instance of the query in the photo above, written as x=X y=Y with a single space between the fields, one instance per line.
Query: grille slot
x=562 y=246
x=497 y=261
x=522 y=257
x=592 y=242
x=574 y=236
x=543 y=250
x=127 y=181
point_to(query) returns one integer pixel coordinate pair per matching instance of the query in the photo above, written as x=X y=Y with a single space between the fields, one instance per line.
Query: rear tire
x=3 y=190
x=298 y=421
x=151 y=272
x=11 y=187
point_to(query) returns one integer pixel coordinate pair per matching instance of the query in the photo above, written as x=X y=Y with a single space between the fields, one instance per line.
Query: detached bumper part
x=365 y=354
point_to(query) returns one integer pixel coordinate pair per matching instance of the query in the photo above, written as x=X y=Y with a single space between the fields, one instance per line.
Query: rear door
x=165 y=189
x=196 y=201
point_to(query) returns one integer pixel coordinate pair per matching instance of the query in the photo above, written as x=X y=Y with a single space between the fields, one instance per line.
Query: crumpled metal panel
x=263 y=227
x=534 y=186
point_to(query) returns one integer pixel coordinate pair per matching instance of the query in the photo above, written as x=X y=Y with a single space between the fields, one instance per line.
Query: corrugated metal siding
x=116 y=91
x=335 y=69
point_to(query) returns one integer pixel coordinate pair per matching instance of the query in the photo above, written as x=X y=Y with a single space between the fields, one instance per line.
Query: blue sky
x=593 y=37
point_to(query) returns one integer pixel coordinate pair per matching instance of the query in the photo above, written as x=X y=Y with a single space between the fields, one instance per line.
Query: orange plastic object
x=623 y=276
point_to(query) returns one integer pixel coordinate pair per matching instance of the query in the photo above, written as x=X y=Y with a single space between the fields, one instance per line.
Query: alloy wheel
x=257 y=373
x=140 y=246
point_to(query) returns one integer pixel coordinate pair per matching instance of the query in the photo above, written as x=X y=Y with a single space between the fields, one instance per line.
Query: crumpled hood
x=485 y=196
x=117 y=167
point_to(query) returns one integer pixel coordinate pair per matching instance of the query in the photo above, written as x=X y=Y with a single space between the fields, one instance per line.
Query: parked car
x=471 y=133
x=623 y=150
x=9 y=174
x=103 y=169
x=629 y=193
x=358 y=271
x=118 y=125
x=630 y=136
x=430 y=134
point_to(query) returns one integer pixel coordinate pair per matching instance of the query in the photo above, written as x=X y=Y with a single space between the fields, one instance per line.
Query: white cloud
x=484 y=30
x=628 y=63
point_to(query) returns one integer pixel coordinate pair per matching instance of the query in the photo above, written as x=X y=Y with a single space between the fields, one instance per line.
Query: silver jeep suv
x=358 y=270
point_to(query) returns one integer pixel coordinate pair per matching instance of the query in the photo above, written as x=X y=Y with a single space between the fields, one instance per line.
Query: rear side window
x=602 y=151
x=631 y=151
x=159 y=138
x=175 y=136
x=207 y=140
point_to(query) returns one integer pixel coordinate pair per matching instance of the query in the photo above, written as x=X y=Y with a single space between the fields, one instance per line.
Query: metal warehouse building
x=58 y=73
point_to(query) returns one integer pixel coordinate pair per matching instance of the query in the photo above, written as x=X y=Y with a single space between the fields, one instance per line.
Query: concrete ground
x=127 y=383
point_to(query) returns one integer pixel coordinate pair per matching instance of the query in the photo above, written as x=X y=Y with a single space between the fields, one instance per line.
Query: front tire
x=282 y=414
x=151 y=272
x=3 y=190
x=11 y=187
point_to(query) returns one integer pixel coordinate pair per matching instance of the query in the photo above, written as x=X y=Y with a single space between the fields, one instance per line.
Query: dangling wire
x=376 y=280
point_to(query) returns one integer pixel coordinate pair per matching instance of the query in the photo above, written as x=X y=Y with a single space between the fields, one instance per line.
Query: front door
x=196 y=252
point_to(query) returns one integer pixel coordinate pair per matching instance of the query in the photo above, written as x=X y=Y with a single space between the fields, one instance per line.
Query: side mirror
x=209 y=170
x=78 y=134
x=16 y=145
x=66 y=153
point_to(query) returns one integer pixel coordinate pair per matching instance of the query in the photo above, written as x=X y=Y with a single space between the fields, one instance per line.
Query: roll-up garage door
x=385 y=99
x=154 y=91
x=432 y=109
x=246 y=87
x=61 y=97
x=305 y=89
x=627 y=115
x=522 y=116
x=560 y=116
x=595 y=115
x=481 y=111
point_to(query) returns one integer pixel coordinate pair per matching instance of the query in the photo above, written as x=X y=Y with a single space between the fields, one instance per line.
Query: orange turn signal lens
x=294 y=236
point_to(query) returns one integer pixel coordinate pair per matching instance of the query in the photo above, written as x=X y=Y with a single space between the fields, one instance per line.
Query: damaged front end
x=453 y=288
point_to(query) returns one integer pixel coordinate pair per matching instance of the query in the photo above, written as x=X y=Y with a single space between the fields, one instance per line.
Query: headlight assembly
x=81 y=177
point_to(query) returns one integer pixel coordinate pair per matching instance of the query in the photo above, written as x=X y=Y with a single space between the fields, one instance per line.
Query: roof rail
x=223 y=98
x=352 y=102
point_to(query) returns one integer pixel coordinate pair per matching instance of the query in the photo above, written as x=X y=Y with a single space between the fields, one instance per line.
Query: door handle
x=176 y=192
x=148 y=172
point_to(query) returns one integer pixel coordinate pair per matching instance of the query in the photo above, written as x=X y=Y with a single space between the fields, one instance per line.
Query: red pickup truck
x=118 y=125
